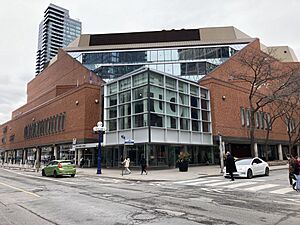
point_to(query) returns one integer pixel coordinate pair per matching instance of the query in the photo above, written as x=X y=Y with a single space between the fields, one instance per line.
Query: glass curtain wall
x=190 y=62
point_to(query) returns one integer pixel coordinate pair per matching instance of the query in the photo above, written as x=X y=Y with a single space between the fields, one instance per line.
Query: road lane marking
x=282 y=191
x=19 y=189
x=239 y=185
x=260 y=187
x=41 y=178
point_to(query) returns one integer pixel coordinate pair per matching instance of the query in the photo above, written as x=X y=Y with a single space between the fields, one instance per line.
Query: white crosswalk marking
x=260 y=187
x=240 y=184
x=185 y=181
x=217 y=184
x=202 y=182
x=282 y=191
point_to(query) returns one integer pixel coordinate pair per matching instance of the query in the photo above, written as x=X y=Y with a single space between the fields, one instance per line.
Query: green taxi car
x=59 y=168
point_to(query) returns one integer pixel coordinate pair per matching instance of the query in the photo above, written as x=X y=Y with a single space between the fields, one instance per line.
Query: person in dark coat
x=143 y=165
x=230 y=165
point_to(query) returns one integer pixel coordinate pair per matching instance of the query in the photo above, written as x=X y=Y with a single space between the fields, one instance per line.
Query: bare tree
x=266 y=80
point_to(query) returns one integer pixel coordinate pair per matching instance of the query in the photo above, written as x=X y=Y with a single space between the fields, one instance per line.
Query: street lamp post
x=100 y=129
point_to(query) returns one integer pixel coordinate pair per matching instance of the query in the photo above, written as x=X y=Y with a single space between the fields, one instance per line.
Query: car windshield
x=66 y=162
x=243 y=162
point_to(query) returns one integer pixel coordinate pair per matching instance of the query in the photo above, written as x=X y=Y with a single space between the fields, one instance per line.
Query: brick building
x=63 y=105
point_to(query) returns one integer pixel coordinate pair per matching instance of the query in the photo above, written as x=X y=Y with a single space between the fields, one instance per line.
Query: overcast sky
x=275 y=22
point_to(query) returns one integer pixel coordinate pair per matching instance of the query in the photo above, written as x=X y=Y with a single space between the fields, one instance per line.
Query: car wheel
x=55 y=174
x=72 y=175
x=267 y=171
x=43 y=173
x=249 y=174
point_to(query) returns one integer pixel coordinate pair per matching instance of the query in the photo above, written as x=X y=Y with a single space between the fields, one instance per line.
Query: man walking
x=143 y=165
x=230 y=165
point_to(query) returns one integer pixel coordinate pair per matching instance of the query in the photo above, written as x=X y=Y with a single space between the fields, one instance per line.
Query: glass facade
x=156 y=100
x=189 y=62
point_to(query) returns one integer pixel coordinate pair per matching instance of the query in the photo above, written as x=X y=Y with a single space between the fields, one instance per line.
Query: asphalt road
x=27 y=198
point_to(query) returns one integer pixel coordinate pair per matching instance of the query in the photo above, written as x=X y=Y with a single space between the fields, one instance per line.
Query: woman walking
x=126 y=163
x=143 y=165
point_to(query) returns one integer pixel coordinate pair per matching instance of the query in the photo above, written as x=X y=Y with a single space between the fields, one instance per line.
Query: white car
x=249 y=168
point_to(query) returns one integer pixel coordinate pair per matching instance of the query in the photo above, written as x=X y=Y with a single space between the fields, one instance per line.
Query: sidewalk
x=163 y=175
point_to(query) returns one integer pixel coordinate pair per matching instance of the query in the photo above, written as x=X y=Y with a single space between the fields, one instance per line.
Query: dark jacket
x=143 y=162
x=296 y=168
x=230 y=164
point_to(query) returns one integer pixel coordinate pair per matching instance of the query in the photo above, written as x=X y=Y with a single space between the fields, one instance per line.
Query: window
x=125 y=123
x=156 y=106
x=140 y=79
x=183 y=87
x=248 y=117
x=156 y=120
x=184 y=99
x=112 y=125
x=125 y=110
x=156 y=92
x=242 y=112
x=112 y=88
x=194 y=90
x=140 y=93
x=140 y=120
x=156 y=79
x=139 y=106
x=125 y=97
x=113 y=100
x=184 y=124
x=257 y=122
x=205 y=127
x=269 y=121
x=194 y=101
x=125 y=84
x=171 y=122
x=205 y=115
x=170 y=83
x=195 y=125
x=262 y=121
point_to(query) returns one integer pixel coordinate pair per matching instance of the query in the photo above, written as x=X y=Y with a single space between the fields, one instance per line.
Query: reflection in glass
x=156 y=120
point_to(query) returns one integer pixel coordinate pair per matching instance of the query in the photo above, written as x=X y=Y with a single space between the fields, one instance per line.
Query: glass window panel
x=112 y=125
x=242 y=112
x=168 y=55
x=257 y=122
x=194 y=101
x=191 y=69
x=112 y=112
x=154 y=56
x=140 y=79
x=171 y=109
x=171 y=83
x=176 y=69
x=156 y=106
x=195 y=125
x=225 y=52
x=160 y=67
x=269 y=122
x=140 y=106
x=160 y=55
x=201 y=68
x=247 y=117
x=125 y=123
x=125 y=84
x=204 y=93
x=195 y=114
x=156 y=92
x=140 y=92
x=205 y=115
x=183 y=99
x=171 y=122
x=171 y=96
x=204 y=104
x=125 y=110
x=175 y=55
x=211 y=53
x=183 y=87
x=261 y=118
x=205 y=126
x=125 y=97
x=194 y=90
x=183 y=69
x=156 y=79
x=169 y=68
x=152 y=66
x=184 y=112
x=112 y=88
x=140 y=120
x=112 y=100
x=184 y=124
x=156 y=120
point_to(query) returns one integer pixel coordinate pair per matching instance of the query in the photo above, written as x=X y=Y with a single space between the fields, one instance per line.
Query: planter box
x=183 y=166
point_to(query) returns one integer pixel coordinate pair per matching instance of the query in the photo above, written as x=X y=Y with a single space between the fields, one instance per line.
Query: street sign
x=129 y=142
